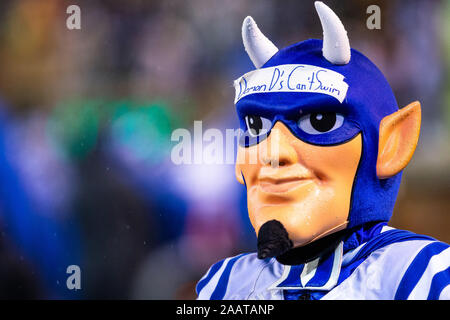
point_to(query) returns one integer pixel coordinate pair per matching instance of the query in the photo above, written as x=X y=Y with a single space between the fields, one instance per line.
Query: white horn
x=259 y=48
x=336 y=47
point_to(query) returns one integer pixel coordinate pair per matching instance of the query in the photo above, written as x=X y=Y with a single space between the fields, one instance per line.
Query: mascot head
x=324 y=142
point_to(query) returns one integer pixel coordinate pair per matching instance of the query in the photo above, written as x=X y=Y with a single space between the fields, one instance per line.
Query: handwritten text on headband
x=292 y=78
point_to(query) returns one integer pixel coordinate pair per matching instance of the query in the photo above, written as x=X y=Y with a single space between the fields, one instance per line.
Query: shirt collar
x=319 y=274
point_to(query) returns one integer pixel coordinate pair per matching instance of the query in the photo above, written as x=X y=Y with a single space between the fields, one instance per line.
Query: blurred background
x=86 y=118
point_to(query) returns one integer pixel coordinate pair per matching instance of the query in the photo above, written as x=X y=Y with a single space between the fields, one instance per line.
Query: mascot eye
x=320 y=122
x=257 y=125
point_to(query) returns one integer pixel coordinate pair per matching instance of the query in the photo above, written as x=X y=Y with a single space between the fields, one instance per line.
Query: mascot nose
x=279 y=152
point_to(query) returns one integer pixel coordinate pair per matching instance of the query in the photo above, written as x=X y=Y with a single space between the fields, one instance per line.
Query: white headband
x=292 y=78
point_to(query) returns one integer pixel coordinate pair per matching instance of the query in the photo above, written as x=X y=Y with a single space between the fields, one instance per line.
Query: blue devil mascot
x=321 y=156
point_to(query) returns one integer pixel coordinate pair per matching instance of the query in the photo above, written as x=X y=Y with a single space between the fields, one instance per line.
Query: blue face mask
x=310 y=119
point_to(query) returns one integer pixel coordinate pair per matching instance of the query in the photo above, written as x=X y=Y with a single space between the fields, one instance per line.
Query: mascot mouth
x=273 y=240
x=283 y=186
x=283 y=180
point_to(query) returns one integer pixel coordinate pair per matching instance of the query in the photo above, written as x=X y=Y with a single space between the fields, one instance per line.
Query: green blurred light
x=143 y=129
x=74 y=127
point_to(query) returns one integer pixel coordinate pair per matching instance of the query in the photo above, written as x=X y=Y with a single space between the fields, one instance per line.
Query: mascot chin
x=321 y=156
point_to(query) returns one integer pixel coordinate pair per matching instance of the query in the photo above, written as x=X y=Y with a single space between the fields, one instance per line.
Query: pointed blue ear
x=399 y=134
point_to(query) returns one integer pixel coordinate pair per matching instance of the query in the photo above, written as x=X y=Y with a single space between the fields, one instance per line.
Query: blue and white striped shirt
x=394 y=264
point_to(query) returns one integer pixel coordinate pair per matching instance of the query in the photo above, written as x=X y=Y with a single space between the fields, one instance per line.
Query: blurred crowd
x=86 y=118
